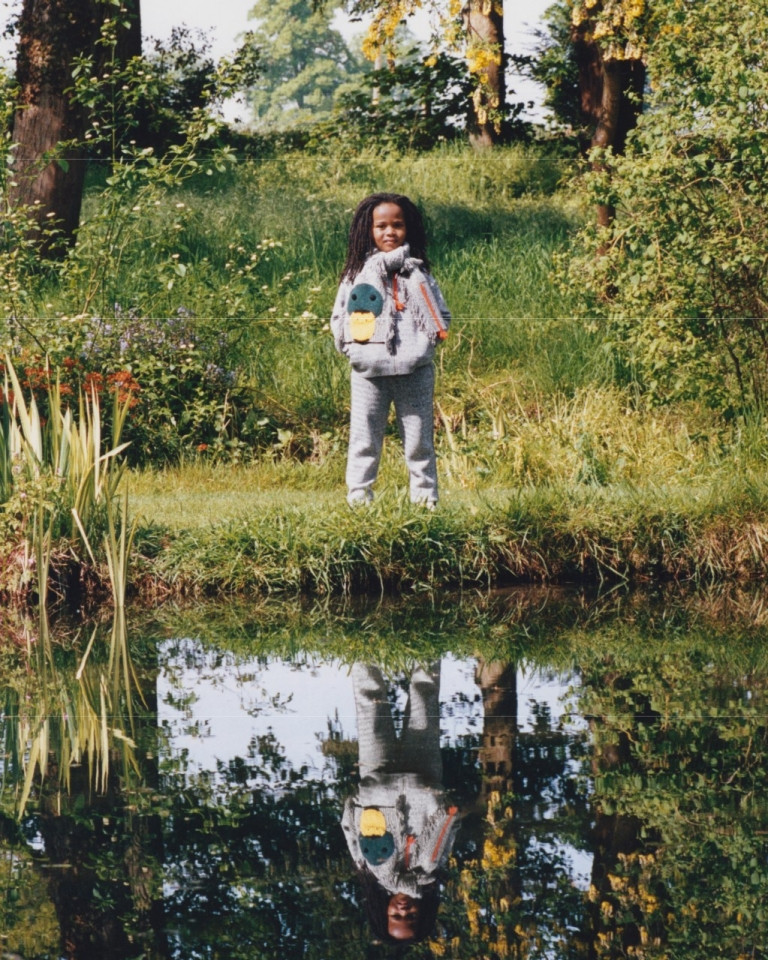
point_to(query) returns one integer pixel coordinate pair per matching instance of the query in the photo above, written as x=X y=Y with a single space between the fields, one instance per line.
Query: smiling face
x=402 y=917
x=388 y=227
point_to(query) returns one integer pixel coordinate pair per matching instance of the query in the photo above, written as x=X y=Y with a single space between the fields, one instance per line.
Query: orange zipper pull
x=399 y=305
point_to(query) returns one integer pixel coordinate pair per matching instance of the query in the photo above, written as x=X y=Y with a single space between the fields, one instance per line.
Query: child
x=388 y=316
x=399 y=826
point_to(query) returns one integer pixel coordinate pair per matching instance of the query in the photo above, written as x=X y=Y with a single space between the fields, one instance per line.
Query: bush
x=412 y=106
x=680 y=277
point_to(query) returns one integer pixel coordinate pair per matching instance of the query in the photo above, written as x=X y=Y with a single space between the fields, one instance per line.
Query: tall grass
x=494 y=223
x=258 y=249
x=554 y=533
x=529 y=403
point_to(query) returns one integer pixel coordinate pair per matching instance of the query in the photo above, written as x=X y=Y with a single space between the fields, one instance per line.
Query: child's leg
x=420 y=741
x=370 y=400
x=375 y=728
x=414 y=406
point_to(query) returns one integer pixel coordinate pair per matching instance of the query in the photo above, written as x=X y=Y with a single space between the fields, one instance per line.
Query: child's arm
x=437 y=293
x=338 y=314
x=349 y=826
x=432 y=847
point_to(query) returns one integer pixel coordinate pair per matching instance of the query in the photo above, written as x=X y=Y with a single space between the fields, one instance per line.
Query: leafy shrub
x=680 y=277
x=413 y=105
x=184 y=393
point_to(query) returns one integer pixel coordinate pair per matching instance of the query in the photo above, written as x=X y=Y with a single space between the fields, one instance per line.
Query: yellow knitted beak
x=372 y=823
x=362 y=324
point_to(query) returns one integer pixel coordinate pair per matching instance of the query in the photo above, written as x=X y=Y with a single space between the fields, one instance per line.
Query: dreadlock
x=361 y=231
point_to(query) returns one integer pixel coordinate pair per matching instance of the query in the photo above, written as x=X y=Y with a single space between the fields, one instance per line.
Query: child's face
x=388 y=227
x=402 y=916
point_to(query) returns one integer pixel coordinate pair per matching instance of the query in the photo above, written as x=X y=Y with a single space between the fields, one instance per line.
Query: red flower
x=124 y=384
x=94 y=381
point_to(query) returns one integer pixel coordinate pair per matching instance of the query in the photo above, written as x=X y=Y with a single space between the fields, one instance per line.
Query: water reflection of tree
x=680 y=787
x=511 y=893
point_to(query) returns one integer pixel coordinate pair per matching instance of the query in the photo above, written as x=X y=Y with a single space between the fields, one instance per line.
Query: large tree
x=683 y=281
x=304 y=63
x=48 y=162
x=610 y=39
x=474 y=26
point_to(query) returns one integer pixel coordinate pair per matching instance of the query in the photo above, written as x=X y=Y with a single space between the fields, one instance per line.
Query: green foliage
x=555 y=65
x=152 y=100
x=691 y=737
x=415 y=104
x=58 y=486
x=304 y=62
x=552 y=533
x=679 y=277
x=204 y=288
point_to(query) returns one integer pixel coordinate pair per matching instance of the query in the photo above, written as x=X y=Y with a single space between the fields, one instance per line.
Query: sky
x=225 y=20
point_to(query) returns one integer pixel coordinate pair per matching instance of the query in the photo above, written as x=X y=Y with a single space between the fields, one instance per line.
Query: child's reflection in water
x=400 y=826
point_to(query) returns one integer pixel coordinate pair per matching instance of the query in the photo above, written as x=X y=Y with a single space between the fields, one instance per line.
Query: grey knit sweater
x=421 y=821
x=405 y=331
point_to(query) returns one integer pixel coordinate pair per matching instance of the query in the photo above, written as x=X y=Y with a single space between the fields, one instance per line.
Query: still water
x=537 y=775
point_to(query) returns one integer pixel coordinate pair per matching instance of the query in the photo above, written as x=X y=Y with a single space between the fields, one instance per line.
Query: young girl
x=388 y=316
x=400 y=825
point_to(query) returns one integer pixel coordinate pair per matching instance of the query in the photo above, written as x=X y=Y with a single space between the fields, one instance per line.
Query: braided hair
x=361 y=231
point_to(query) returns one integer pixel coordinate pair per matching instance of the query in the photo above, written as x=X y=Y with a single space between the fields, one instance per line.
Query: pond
x=536 y=774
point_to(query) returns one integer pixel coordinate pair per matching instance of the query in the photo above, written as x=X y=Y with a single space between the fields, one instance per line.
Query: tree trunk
x=129 y=36
x=48 y=178
x=622 y=86
x=498 y=683
x=610 y=93
x=606 y=130
x=484 y=24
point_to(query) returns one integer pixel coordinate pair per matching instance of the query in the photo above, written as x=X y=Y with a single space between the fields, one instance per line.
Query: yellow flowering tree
x=473 y=26
x=612 y=37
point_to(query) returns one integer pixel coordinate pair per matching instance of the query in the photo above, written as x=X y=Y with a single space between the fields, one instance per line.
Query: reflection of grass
x=58 y=717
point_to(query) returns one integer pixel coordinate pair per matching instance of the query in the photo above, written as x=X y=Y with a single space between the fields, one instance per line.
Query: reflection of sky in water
x=213 y=704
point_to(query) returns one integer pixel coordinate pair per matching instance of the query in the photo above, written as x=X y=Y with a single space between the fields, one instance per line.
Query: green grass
x=541 y=440
x=549 y=534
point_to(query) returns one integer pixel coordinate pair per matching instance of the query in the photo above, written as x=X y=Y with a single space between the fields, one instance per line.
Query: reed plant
x=59 y=485
x=60 y=718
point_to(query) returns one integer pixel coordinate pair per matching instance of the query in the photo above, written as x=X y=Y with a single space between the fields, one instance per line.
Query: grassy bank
x=552 y=465
x=275 y=542
x=586 y=488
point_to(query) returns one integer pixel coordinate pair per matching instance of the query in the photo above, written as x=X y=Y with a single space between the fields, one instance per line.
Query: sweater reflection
x=400 y=825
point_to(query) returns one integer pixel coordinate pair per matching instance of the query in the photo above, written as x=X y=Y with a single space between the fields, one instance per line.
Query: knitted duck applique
x=365 y=305
x=376 y=842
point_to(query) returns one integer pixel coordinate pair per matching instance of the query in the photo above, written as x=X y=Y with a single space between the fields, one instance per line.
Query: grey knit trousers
x=371 y=397
x=417 y=749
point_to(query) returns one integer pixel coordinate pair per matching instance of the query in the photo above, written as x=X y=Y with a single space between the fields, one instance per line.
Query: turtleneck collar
x=393 y=261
